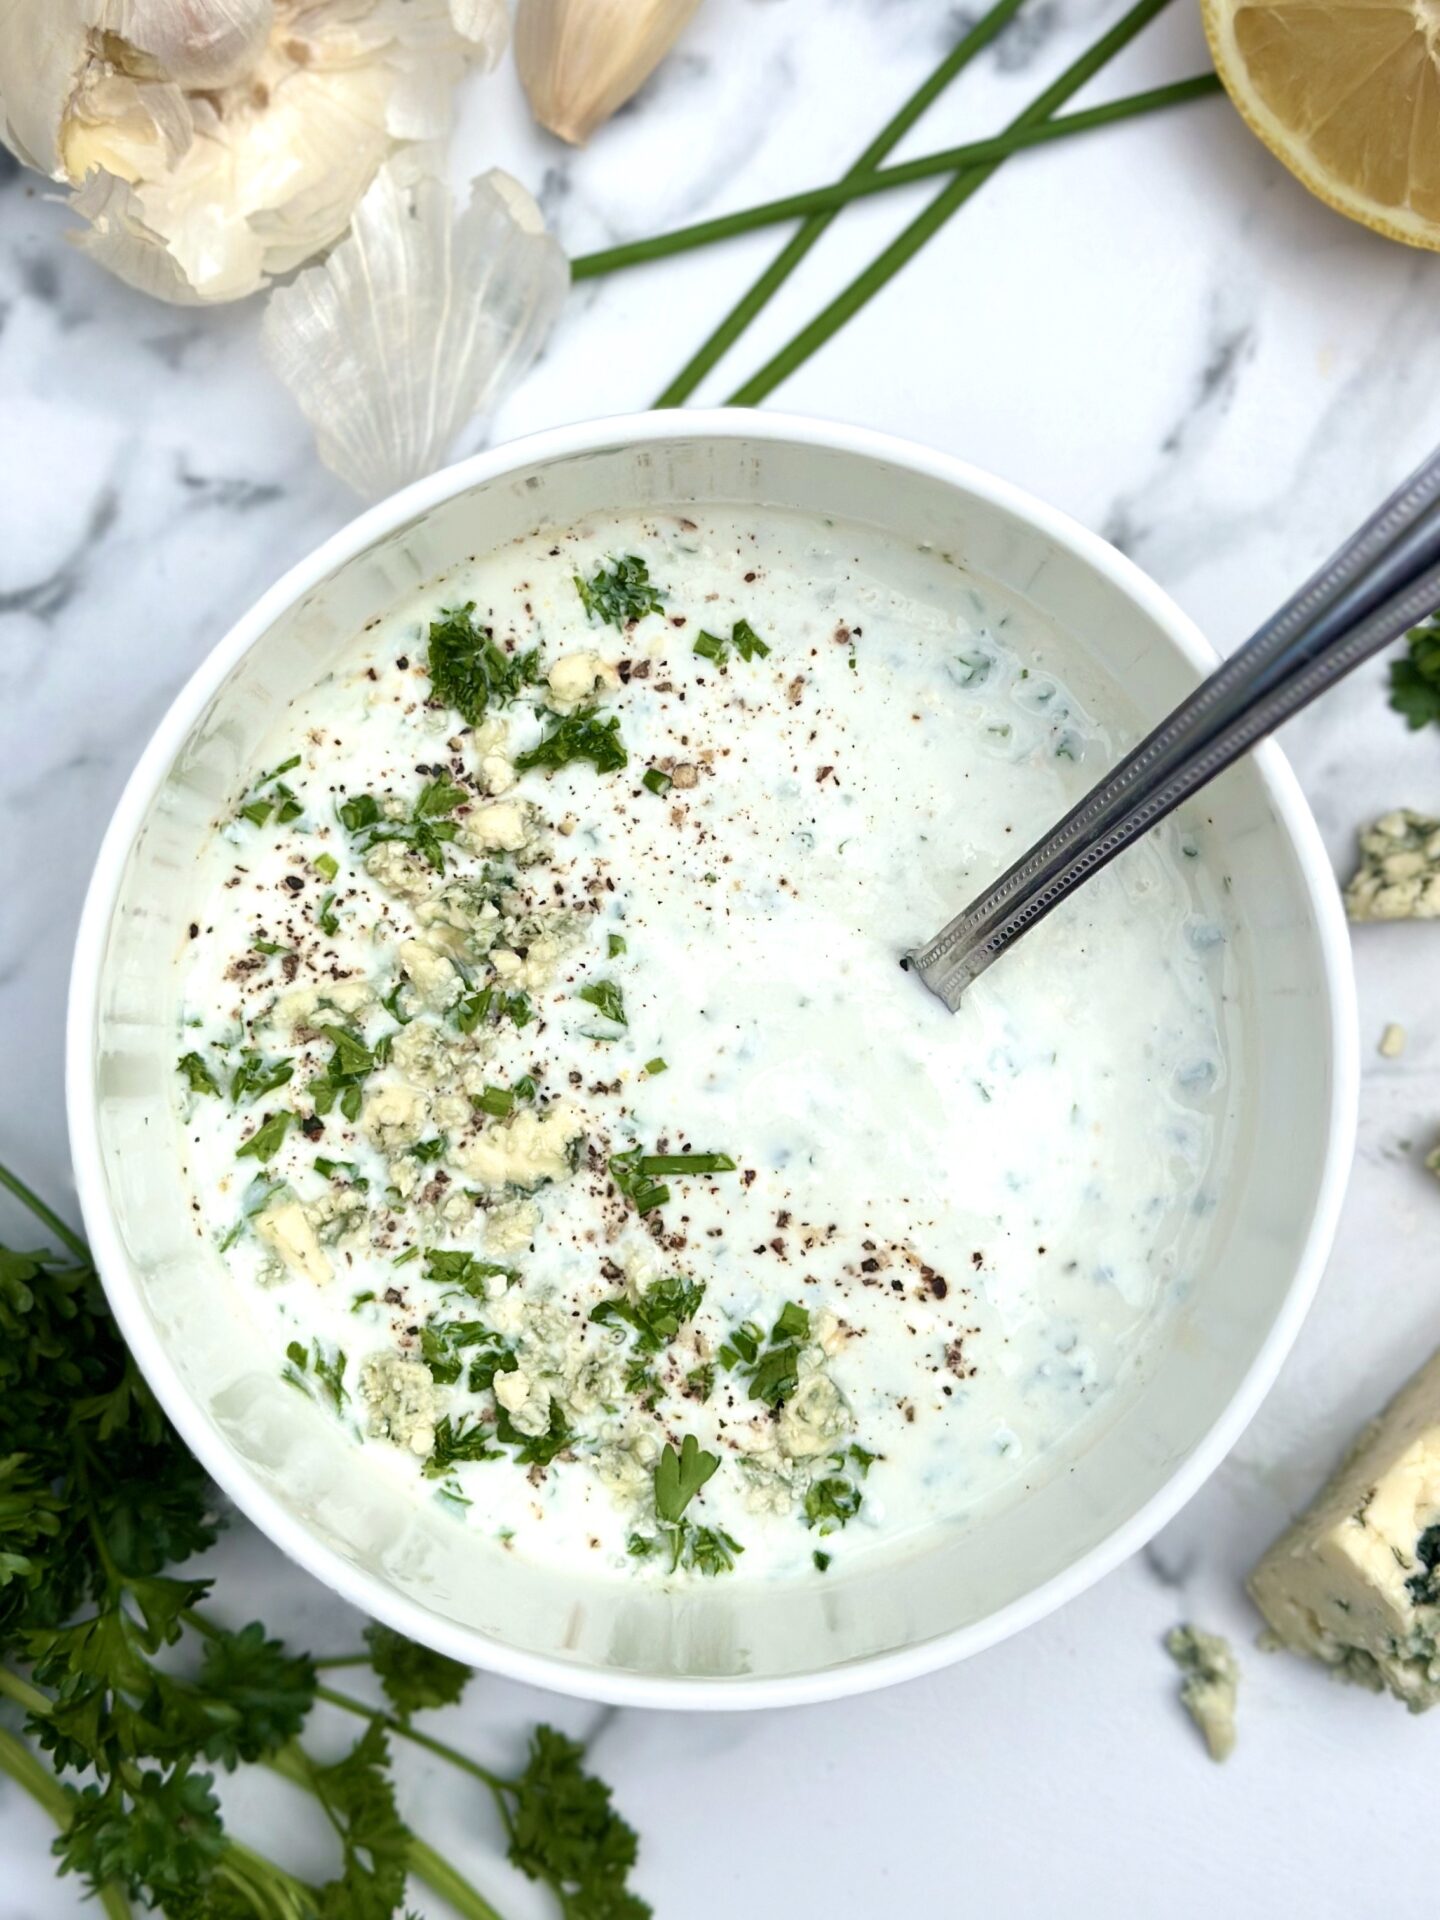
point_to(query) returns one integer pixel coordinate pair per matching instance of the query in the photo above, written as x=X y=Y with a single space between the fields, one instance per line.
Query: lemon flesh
x=1348 y=96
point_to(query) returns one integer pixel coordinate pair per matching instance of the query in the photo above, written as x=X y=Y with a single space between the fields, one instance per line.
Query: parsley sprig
x=101 y=1506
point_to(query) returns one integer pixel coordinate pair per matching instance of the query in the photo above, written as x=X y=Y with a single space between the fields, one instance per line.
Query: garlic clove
x=579 y=60
x=195 y=43
x=416 y=321
x=232 y=180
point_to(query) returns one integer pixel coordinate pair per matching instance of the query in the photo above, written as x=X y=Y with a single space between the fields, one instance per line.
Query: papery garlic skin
x=579 y=60
x=213 y=144
x=418 y=320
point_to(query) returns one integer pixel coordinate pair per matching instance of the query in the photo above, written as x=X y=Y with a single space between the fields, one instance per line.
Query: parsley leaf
x=581 y=735
x=415 y=1678
x=680 y=1476
x=622 y=592
x=831 y=1503
x=197 y=1074
x=607 y=997
x=453 y=1267
x=1415 y=678
x=255 y=1694
x=265 y=1142
x=565 y=1832
x=255 y=1076
x=468 y=671
x=359 y=1796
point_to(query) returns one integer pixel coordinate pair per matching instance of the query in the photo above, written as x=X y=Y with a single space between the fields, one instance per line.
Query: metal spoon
x=1384 y=579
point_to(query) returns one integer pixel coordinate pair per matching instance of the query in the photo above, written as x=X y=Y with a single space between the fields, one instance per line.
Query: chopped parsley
x=326 y=916
x=774 y=1373
x=831 y=1503
x=343 y=1170
x=457 y=1440
x=534 y=1449
x=581 y=735
x=700 y=1383
x=822 y=1560
x=265 y=1142
x=443 y=1344
x=616 y=594
x=427 y=831
x=270 y=795
x=343 y=1080
x=615 y=945
x=658 y=1314
x=197 y=1075
x=607 y=997
x=456 y=1268
x=255 y=1076
x=328 y=1371
x=468 y=671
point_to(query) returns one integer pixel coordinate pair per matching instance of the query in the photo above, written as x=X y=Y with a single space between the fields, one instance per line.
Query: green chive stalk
x=903 y=249
x=796 y=248
x=795 y=206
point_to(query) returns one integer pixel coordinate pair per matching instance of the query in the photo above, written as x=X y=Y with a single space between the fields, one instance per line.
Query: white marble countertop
x=1155 y=329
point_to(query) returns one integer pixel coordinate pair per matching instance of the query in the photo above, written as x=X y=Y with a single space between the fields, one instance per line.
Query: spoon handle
x=1384 y=579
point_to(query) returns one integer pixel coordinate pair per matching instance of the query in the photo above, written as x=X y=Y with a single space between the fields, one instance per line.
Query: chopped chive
x=326 y=865
x=657 y=1163
x=657 y=1065
x=656 y=780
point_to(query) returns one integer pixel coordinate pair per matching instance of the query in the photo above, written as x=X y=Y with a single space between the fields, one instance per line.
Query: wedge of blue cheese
x=1356 y=1581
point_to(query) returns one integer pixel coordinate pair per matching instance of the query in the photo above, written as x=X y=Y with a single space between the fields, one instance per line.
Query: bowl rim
x=369 y=1591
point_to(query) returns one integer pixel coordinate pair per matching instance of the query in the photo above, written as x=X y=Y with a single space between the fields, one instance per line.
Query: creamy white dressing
x=988 y=1219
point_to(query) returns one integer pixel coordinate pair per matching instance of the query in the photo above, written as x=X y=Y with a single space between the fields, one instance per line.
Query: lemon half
x=1348 y=96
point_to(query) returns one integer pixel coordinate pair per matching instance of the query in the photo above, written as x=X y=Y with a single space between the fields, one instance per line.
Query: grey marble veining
x=1154 y=328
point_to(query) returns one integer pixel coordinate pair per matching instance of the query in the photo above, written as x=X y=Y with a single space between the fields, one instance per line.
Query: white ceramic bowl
x=727 y=1644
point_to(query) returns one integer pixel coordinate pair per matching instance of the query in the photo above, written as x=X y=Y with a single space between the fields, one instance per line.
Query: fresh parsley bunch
x=1415 y=678
x=128 y=1694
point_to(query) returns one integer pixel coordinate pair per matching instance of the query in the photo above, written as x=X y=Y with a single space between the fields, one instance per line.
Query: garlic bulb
x=416 y=321
x=212 y=144
x=581 y=59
